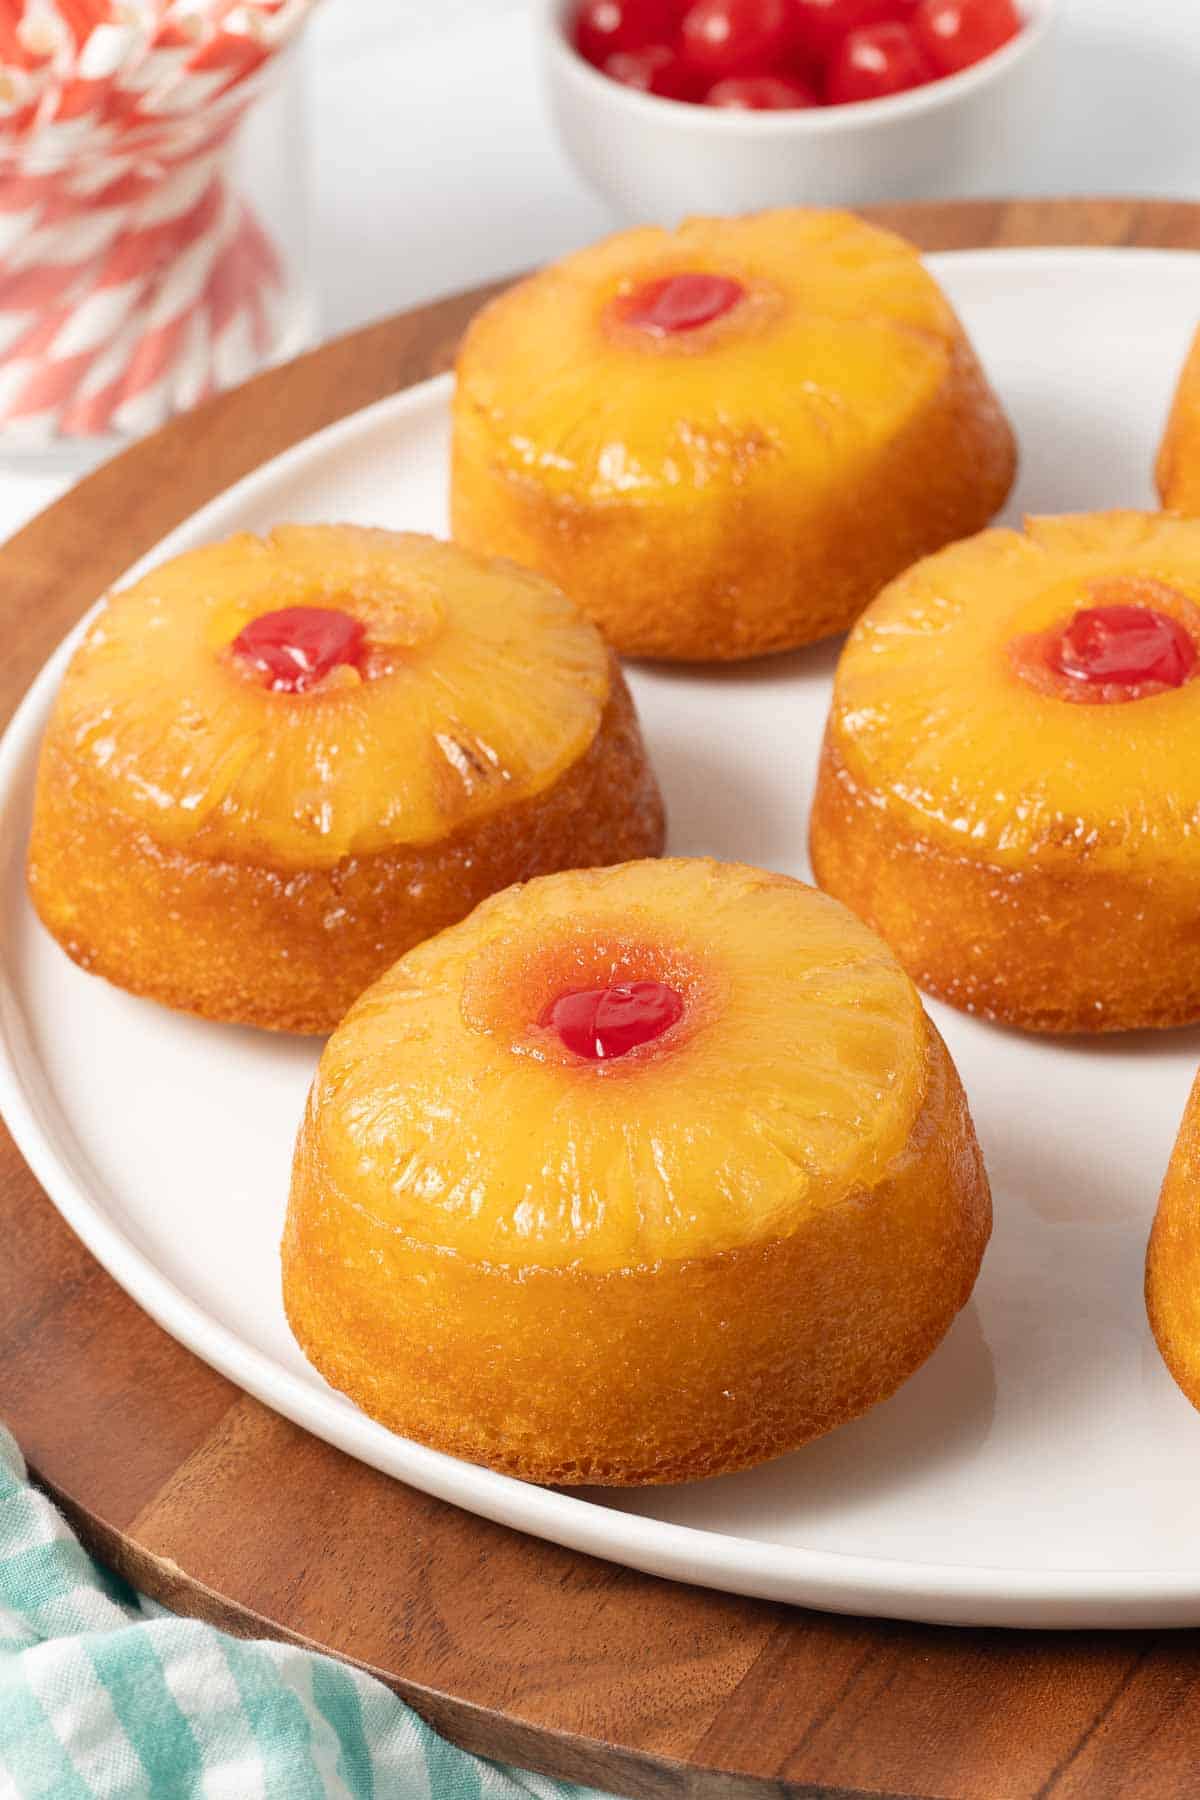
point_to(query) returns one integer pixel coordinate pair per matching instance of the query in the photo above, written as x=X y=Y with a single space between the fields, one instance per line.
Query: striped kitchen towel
x=106 y=1696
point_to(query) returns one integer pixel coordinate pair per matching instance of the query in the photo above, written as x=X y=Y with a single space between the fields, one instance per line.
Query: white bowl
x=656 y=160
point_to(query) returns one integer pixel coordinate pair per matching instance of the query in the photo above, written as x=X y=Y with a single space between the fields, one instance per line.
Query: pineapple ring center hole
x=298 y=648
x=307 y=648
x=602 y=1023
x=1138 y=638
x=678 y=303
x=586 y=999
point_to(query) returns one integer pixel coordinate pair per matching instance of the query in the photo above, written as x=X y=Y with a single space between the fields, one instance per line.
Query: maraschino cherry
x=602 y=1023
x=873 y=63
x=295 y=648
x=605 y=26
x=736 y=37
x=678 y=303
x=957 y=33
x=1124 y=646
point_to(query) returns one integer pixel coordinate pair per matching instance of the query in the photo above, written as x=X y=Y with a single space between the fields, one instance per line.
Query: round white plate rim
x=952 y=1593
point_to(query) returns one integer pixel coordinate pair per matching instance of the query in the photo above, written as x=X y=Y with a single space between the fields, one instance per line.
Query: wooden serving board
x=512 y=1647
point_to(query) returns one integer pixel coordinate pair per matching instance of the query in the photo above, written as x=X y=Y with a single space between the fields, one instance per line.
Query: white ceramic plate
x=1042 y=1469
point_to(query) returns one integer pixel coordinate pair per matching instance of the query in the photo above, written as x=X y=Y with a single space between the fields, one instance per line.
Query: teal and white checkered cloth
x=106 y=1696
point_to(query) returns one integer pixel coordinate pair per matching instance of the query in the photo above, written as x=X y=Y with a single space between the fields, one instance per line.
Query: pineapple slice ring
x=1178 y=469
x=679 y=1262
x=261 y=857
x=744 y=486
x=1173 y=1258
x=1028 y=859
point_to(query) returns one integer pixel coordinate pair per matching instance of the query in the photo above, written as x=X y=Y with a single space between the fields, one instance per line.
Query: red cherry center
x=680 y=302
x=1124 y=645
x=602 y=1023
x=295 y=648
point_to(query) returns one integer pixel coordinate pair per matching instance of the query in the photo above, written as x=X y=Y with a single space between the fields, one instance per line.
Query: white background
x=434 y=167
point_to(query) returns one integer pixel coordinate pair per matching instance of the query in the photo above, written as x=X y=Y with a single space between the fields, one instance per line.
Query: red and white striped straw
x=133 y=279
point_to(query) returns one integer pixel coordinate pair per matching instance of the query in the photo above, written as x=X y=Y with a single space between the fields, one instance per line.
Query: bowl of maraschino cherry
x=671 y=106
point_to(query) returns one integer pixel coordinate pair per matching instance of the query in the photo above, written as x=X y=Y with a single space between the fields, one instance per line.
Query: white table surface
x=434 y=165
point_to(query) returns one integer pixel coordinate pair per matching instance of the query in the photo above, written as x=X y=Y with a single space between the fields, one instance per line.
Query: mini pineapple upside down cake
x=637 y=1175
x=275 y=764
x=724 y=440
x=1010 y=784
x=1173 y=1258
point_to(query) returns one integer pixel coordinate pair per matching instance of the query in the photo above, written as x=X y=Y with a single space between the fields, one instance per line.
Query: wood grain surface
x=512 y=1647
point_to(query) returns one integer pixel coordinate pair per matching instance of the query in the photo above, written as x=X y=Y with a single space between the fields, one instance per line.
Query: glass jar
x=154 y=250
